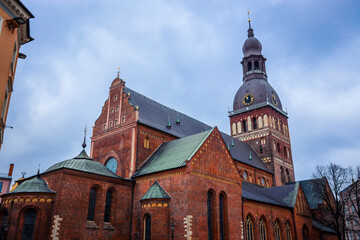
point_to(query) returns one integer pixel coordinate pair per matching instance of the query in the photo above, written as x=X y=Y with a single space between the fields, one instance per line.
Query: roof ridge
x=201 y=143
x=166 y=106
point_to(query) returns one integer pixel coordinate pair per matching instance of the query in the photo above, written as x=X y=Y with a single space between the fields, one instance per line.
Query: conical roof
x=155 y=192
x=33 y=185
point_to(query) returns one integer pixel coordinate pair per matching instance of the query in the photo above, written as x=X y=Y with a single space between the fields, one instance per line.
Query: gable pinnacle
x=84 y=143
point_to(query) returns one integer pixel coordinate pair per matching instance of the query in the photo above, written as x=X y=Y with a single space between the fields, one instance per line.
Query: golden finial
x=118 y=72
x=249 y=18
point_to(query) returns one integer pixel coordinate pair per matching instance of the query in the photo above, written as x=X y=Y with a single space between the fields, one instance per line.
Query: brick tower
x=258 y=117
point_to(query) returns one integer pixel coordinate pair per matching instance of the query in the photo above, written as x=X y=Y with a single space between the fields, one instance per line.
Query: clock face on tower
x=111 y=164
x=248 y=99
x=274 y=100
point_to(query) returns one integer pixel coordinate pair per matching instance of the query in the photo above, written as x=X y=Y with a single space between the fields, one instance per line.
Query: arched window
x=255 y=123
x=233 y=128
x=244 y=125
x=305 y=233
x=29 y=224
x=288 y=231
x=262 y=229
x=4 y=219
x=288 y=175
x=256 y=65
x=282 y=174
x=285 y=152
x=92 y=203
x=211 y=215
x=147 y=227
x=245 y=175
x=249 y=228
x=261 y=149
x=278 y=148
x=147 y=142
x=277 y=230
x=223 y=216
x=107 y=206
x=249 y=66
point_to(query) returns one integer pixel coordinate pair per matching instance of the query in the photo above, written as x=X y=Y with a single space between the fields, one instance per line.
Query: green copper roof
x=156 y=192
x=34 y=185
x=83 y=163
x=173 y=154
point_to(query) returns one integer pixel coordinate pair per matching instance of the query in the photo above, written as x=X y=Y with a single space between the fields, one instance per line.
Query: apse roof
x=156 y=115
x=173 y=154
x=84 y=163
x=33 y=185
x=155 y=192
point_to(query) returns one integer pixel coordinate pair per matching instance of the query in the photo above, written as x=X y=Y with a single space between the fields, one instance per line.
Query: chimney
x=11 y=169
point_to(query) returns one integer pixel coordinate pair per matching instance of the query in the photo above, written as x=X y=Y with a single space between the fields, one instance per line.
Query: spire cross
x=84 y=143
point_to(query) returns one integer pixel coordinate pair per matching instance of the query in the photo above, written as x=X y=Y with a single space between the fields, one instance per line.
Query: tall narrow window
x=4 y=219
x=146 y=142
x=249 y=66
x=223 y=216
x=285 y=152
x=288 y=231
x=92 y=203
x=262 y=229
x=147 y=227
x=256 y=65
x=29 y=225
x=211 y=215
x=288 y=175
x=244 y=125
x=283 y=180
x=249 y=228
x=305 y=232
x=261 y=149
x=255 y=123
x=277 y=230
x=107 y=206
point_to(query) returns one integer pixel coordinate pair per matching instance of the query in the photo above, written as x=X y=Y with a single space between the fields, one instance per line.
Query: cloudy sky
x=185 y=54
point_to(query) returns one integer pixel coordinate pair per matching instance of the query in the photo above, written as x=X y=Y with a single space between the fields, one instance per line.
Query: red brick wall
x=270 y=213
x=272 y=134
x=17 y=205
x=211 y=168
x=72 y=201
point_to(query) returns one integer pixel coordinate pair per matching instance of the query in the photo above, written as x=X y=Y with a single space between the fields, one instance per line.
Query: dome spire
x=250 y=30
x=118 y=73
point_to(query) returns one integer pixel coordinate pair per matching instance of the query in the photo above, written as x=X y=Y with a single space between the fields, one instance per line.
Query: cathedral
x=155 y=173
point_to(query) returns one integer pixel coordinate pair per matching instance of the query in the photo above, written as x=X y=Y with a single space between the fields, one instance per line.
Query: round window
x=111 y=164
x=245 y=175
x=263 y=181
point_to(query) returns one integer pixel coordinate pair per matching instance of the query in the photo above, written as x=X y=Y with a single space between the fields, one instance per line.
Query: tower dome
x=252 y=45
x=256 y=91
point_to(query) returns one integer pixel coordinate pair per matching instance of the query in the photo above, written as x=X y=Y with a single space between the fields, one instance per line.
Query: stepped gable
x=155 y=192
x=240 y=151
x=171 y=155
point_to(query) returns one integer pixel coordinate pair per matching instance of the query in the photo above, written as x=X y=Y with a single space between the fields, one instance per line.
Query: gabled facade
x=14 y=32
